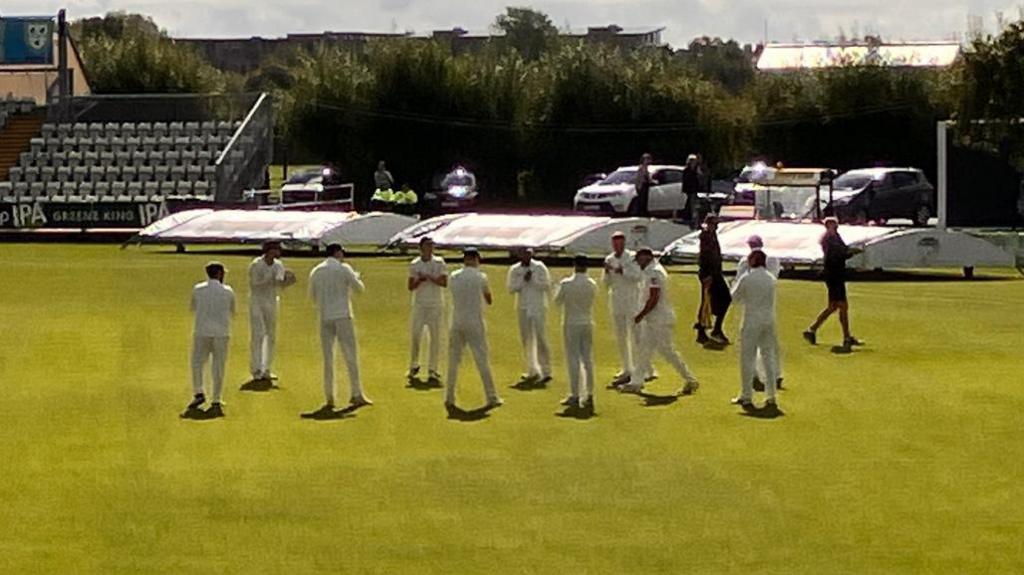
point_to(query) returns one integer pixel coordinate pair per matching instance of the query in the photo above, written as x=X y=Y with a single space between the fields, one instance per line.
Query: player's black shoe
x=197 y=401
x=746 y=404
x=811 y=337
x=758 y=385
x=852 y=342
x=720 y=338
x=216 y=410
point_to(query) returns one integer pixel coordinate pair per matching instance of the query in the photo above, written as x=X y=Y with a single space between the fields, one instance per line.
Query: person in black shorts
x=836 y=253
x=715 y=295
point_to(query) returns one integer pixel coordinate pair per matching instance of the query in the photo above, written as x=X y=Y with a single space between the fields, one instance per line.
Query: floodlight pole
x=63 y=87
x=942 y=148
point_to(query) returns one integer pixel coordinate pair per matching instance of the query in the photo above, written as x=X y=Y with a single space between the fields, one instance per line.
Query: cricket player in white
x=530 y=281
x=428 y=276
x=576 y=295
x=470 y=291
x=623 y=278
x=330 y=286
x=213 y=304
x=755 y=291
x=774 y=267
x=266 y=274
x=656 y=321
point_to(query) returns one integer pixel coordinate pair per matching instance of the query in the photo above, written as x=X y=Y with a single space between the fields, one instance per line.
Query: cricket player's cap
x=642 y=250
x=830 y=220
x=755 y=240
x=691 y=157
x=580 y=260
x=618 y=235
x=470 y=252
x=426 y=240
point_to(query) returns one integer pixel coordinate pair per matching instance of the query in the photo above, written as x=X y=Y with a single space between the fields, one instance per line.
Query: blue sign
x=26 y=41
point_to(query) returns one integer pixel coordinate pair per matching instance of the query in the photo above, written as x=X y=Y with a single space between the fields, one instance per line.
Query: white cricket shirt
x=213 y=304
x=467 y=286
x=330 y=286
x=428 y=294
x=576 y=294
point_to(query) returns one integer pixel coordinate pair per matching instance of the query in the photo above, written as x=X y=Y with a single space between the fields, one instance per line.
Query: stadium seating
x=142 y=161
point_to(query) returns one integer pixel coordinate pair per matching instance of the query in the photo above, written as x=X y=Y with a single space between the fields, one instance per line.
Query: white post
x=943 y=180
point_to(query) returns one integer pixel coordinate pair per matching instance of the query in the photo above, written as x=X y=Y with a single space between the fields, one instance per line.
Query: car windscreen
x=303 y=177
x=852 y=182
x=620 y=177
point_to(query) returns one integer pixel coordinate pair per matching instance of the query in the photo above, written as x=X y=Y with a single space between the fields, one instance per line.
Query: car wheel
x=922 y=215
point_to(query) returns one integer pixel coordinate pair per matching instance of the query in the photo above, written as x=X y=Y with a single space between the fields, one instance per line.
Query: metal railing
x=152 y=108
x=243 y=162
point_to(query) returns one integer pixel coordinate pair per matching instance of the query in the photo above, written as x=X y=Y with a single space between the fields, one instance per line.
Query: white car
x=616 y=194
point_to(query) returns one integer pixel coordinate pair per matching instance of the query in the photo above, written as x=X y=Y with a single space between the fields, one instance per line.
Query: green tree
x=528 y=31
x=128 y=54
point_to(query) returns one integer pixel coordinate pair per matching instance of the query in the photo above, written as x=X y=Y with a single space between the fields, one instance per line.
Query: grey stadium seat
x=119 y=190
x=107 y=158
x=195 y=173
x=113 y=174
x=183 y=188
x=128 y=129
x=145 y=173
x=101 y=190
x=37 y=190
x=134 y=190
x=97 y=173
x=47 y=174
x=173 y=158
x=80 y=174
x=177 y=173
x=161 y=172
x=6 y=191
x=151 y=189
x=160 y=129
x=20 y=189
x=129 y=173
x=144 y=129
x=202 y=190
x=138 y=158
x=16 y=174
x=63 y=174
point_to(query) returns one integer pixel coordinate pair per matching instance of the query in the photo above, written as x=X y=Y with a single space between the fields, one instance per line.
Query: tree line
x=532 y=113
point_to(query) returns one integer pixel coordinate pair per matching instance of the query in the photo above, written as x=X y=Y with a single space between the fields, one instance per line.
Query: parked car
x=616 y=194
x=744 y=186
x=880 y=194
x=452 y=191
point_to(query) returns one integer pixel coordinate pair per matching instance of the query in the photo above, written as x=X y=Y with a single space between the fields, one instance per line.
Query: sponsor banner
x=43 y=214
x=26 y=41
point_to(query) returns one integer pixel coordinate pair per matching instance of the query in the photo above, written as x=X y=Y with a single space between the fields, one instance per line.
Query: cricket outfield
x=905 y=456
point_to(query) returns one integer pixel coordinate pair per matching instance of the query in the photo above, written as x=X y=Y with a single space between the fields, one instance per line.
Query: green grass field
x=903 y=457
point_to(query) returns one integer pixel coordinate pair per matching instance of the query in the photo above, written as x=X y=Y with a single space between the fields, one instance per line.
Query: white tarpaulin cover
x=884 y=247
x=254 y=226
x=547 y=233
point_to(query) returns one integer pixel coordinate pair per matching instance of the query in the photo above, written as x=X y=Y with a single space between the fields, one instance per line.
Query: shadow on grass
x=196 y=414
x=577 y=413
x=456 y=413
x=763 y=413
x=529 y=385
x=326 y=413
x=423 y=385
x=259 y=385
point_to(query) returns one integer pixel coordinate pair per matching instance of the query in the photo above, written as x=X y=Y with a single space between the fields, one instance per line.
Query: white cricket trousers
x=579 y=355
x=343 y=331
x=202 y=349
x=475 y=337
x=534 y=335
x=627 y=338
x=657 y=338
x=753 y=339
x=762 y=365
x=263 y=335
x=426 y=319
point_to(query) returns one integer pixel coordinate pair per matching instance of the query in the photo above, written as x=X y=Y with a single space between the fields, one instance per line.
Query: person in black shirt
x=836 y=253
x=643 y=186
x=715 y=295
x=691 y=188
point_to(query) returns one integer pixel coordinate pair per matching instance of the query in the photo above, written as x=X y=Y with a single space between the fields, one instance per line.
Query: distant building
x=247 y=54
x=783 y=57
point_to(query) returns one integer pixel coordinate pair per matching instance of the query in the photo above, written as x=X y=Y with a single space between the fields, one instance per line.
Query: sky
x=744 y=20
